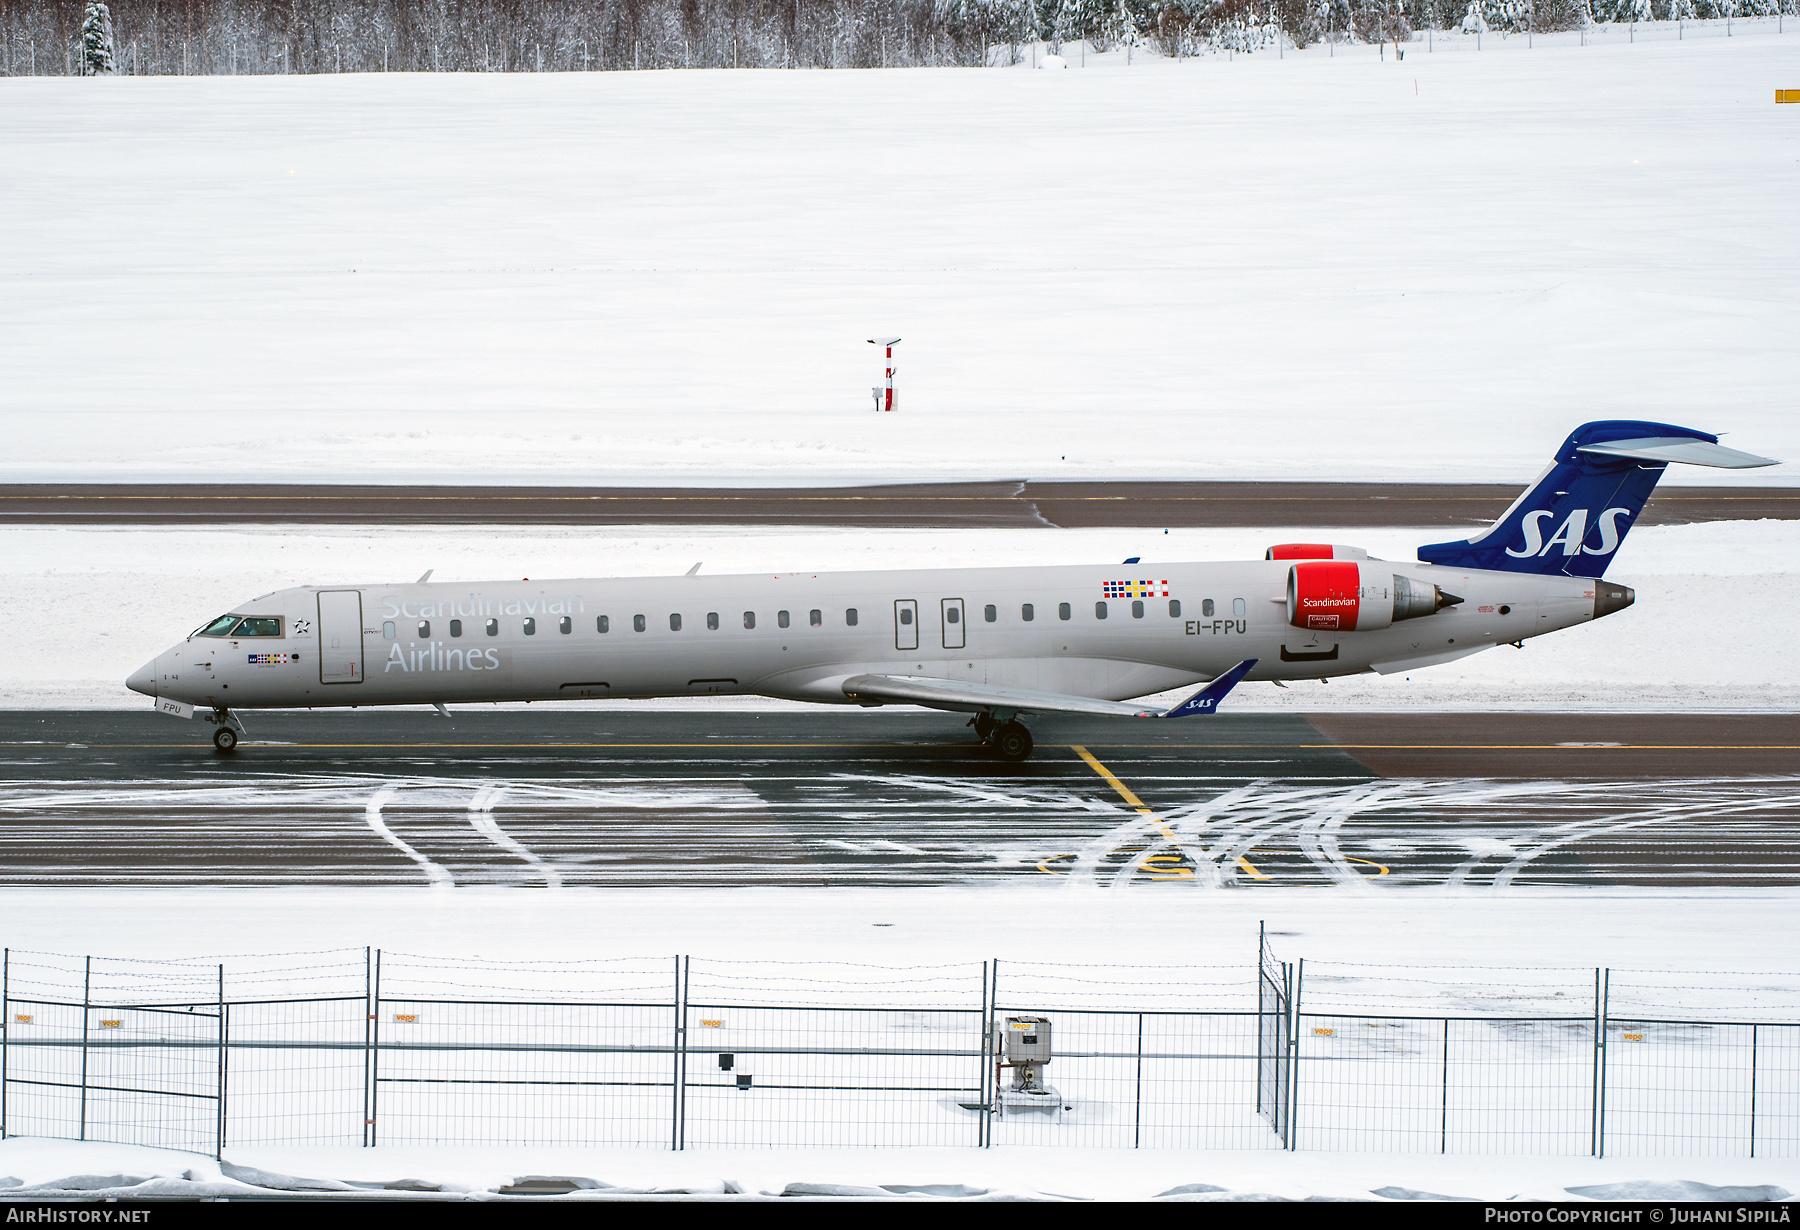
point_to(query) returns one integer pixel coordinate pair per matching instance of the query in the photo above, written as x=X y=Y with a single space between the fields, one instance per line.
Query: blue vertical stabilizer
x=1576 y=515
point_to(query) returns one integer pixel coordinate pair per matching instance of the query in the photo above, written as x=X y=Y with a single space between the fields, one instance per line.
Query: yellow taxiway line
x=1138 y=805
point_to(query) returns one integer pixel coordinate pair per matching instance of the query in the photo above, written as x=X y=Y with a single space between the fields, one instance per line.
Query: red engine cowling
x=1314 y=550
x=1357 y=596
x=1329 y=596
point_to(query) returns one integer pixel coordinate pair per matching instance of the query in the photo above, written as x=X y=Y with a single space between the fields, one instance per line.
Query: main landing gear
x=225 y=738
x=1009 y=738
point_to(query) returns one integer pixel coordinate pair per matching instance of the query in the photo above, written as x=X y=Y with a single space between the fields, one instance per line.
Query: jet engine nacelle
x=1352 y=596
x=1314 y=550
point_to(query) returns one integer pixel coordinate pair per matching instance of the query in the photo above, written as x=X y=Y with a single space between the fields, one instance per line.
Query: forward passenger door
x=340 y=636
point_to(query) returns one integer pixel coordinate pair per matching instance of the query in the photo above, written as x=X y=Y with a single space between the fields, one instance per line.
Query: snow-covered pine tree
x=1083 y=19
x=1473 y=22
x=1120 y=28
x=97 y=57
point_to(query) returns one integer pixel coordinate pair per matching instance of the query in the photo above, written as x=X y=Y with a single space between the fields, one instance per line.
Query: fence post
x=1262 y=956
x=1137 y=1101
x=1293 y=1107
x=1602 y=1007
x=374 y=1087
x=678 y=1062
x=1753 y=1091
x=368 y=1021
x=1444 y=1121
x=5 y=1030
x=87 y=982
x=224 y=1062
x=984 y=1124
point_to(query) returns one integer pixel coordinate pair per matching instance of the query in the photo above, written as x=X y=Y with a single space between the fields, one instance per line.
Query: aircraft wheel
x=225 y=739
x=984 y=727
x=1012 y=741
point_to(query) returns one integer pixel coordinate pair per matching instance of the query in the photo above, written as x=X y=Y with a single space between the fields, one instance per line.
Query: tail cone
x=1610 y=598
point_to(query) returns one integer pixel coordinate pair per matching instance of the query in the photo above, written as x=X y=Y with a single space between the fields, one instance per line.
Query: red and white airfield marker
x=885 y=402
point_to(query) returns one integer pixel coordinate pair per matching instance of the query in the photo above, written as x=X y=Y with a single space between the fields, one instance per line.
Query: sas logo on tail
x=1572 y=534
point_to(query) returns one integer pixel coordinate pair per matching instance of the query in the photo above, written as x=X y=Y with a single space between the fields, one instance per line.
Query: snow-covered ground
x=102 y=1170
x=1339 y=266
x=89 y=606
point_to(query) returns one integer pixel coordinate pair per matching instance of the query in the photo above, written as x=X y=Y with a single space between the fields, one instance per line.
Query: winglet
x=1207 y=699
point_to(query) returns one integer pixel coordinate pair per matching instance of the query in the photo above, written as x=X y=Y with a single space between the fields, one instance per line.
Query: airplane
x=996 y=643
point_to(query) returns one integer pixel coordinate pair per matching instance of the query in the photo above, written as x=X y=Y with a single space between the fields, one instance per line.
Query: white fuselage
x=542 y=640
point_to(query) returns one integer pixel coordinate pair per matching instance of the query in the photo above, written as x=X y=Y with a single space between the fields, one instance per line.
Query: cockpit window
x=258 y=625
x=221 y=626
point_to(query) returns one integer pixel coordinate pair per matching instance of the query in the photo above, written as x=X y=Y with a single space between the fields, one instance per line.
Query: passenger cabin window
x=674 y=623
x=603 y=623
x=1174 y=608
x=953 y=614
x=814 y=618
x=530 y=626
x=905 y=615
x=1137 y=610
x=565 y=625
x=1028 y=612
x=637 y=623
x=258 y=625
x=1206 y=607
x=749 y=619
x=387 y=631
x=781 y=619
x=850 y=618
x=1062 y=610
x=1099 y=610
x=990 y=613
x=221 y=626
x=424 y=629
x=456 y=627
x=712 y=621
x=1237 y=608
x=493 y=628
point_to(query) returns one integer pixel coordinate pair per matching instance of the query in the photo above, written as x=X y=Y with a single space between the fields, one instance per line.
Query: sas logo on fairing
x=1571 y=536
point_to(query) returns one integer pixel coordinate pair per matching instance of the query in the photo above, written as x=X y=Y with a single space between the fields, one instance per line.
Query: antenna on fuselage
x=695 y=568
x=426 y=577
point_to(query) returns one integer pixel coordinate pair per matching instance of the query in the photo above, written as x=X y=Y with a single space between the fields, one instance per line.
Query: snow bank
x=91 y=605
x=1335 y=266
x=57 y=1167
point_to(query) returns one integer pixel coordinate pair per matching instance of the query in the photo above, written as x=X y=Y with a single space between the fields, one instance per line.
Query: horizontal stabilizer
x=1683 y=449
x=1207 y=699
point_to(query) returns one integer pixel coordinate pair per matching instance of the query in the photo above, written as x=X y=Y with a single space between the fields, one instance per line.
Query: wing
x=944 y=694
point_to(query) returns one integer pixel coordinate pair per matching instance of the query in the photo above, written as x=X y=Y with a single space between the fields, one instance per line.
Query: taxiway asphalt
x=710 y=798
x=1020 y=503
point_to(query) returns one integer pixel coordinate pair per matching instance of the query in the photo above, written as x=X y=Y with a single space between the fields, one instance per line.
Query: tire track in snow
x=436 y=876
x=481 y=818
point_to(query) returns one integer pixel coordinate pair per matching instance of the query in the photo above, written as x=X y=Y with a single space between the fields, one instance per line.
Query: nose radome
x=143 y=679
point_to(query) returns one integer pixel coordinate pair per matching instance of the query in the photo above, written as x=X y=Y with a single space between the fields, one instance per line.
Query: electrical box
x=1028 y=1040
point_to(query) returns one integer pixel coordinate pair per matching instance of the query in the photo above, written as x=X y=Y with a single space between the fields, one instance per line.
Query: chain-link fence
x=364 y=1047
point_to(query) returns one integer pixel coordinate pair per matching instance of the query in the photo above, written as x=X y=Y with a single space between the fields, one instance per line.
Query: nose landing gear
x=225 y=738
x=1009 y=738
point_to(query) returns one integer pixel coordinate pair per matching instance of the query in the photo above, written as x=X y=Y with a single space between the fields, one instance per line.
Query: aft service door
x=340 y=636
x=906 y=623
x=953 y=623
